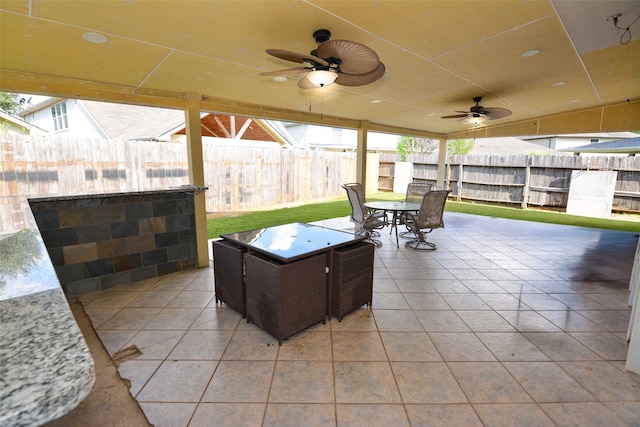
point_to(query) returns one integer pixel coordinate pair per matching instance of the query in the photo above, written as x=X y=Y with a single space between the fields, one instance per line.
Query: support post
x=361 y=152
x=196 y=175
x=442 y=159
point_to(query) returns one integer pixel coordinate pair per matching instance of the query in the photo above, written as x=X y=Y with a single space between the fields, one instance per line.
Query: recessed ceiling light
x=376 y=101
x=280 y=79
x=531 y=53
x=95 y=38
x=573 y=101
x=556 y=84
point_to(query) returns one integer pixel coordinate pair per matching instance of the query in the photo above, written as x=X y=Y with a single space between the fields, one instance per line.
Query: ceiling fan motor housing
x=321 y=36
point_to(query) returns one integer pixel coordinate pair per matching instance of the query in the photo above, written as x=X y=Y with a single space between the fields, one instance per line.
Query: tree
x=11 y=103
x=460 y=146
x=414 y=145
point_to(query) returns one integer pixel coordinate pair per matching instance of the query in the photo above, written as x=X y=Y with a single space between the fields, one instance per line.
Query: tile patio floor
x=508 y=323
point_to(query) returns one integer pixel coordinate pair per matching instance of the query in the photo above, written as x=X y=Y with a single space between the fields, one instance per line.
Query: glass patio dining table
x=396 y=208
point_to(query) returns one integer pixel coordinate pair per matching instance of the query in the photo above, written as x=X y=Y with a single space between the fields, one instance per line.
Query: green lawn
x=340 y=207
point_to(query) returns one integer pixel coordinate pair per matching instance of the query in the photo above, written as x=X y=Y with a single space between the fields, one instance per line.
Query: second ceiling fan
x=480 y=112
x=343 y=62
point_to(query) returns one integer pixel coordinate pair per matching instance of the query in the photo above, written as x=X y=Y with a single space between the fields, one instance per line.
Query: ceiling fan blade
x=493 y=113
x=346 y=79
x=288 y=72
x=355 y=57
x=455 y=116
x=288 y=55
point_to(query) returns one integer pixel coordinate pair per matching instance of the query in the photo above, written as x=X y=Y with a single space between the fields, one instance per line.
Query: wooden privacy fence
x=238 y=177
x=248 y=177
x=520 y=180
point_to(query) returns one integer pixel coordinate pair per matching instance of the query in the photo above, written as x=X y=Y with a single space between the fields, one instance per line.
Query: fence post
x=525 y=189
x=459 y=183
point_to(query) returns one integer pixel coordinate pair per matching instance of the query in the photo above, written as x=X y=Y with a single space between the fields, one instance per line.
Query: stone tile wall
x=98 y=241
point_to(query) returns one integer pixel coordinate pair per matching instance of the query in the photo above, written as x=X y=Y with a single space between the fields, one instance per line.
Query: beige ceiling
x=438 y=55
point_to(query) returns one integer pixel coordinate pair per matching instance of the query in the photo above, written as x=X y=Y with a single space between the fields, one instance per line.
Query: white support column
x=361 y=161
x=442 y=167
x=196 y=175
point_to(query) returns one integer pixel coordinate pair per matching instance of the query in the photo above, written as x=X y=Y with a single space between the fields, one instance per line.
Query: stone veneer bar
x=98 y=241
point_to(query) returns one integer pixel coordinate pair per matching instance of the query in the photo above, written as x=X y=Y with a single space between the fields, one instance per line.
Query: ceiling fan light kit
x=342 y=62
x=322 y=77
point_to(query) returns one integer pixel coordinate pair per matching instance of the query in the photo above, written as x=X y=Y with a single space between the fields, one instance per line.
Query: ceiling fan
x=342 y=62
x=480 y=112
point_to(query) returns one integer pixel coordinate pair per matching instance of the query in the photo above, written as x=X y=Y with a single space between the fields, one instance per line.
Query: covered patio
x=507 y=323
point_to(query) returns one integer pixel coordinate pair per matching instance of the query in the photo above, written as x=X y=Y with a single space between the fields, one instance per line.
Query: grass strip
x=338 y=208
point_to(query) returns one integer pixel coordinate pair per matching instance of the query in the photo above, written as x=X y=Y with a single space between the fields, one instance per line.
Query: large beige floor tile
x=219 y=317
x=365 y=382
x=587 y=414
x=178 y=381
x=427 y=382
x=457 y=347
x=228 y=414
x=174 y=318
x=488 y=382
x=510 y=415
x=371 y=416
x=605 y=381
x=155 y=345
x=442 y=415
x=201 y=345
x=397 y=320
x=358 y=346
x=547 y=382
x=302 y=382
x=310 y=345
x=168 y=414
x=297 y=414
x=251 y=345
x=240 y=381
x=511 y=347
x=409 y=347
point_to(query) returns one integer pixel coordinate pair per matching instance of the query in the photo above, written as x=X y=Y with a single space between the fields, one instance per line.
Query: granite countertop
x=46 y=368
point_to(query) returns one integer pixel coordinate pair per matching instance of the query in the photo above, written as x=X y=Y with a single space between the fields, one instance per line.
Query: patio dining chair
x=428 y=218
x=415 y=192
x=367 y=221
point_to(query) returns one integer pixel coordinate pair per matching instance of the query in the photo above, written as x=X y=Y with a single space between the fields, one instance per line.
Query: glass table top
x=289 y=242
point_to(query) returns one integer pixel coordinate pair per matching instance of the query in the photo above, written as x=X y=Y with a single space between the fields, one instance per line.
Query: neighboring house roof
x=510 y=147
x=600 y=135
x=20 y=125
x=238 y=127
x=122 y=121
x=624 y=146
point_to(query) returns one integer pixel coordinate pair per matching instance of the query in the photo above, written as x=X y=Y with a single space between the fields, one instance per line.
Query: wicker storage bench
x=228 y=268
x=352 y=280
x=285 y=298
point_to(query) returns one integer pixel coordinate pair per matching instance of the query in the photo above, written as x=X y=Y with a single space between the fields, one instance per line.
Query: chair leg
x=420 y=243
x=370 y=234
